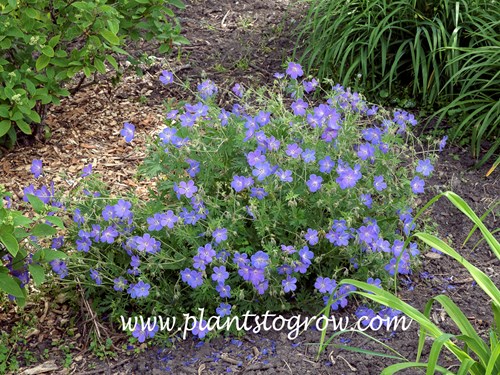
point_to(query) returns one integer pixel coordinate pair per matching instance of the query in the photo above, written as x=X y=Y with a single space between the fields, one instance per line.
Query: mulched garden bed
x=243 y=42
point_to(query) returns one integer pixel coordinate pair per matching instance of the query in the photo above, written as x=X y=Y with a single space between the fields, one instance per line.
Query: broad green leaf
x=38 y=255
x=50 y=72
x=43 y=230
x=177 y=3
x=6 y=43
x=55 y=220
x=25 y=128
x=21 y=301
x=4 y=110
x=107 y=9
x=54 y=40
x=42 y=61
x=82 y=5
x=10 y=243
x=61 y=75
x=95 y=41
x=169 y=12
x=36 y=203
x=110 y=37
x=31 y=13
x=120 y=50
x=164 y=48
x=35 y=117
x=22 y=221
x=25 y=109
x=179 y=39
x=16 y=115
x=12 y=136
x=8 y=285
x=50 y=255
x=61 y=53
x=63 y=92
x=20 y=234
x=87 y=72
x=114 y=26
x=48 y=51
x=30 y=86
x=38 y=273
x=9 y=92
x=112 y=61
x=46 y=99
x=4 y=127
x=99 y=65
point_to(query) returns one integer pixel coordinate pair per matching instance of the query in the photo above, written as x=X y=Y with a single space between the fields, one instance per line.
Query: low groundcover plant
x=260 y=206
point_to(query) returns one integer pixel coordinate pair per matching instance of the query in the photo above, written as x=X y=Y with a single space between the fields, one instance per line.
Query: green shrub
x=45 y=43
x=477 y=356
x=252 y=207
x=439 y=51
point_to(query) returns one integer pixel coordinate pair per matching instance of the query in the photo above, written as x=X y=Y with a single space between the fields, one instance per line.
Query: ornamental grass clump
x=261 y=206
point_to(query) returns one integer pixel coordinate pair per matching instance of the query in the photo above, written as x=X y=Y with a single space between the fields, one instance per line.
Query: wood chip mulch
x=86 y=130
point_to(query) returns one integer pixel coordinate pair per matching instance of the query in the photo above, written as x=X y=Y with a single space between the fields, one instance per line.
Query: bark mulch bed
x=242 y=41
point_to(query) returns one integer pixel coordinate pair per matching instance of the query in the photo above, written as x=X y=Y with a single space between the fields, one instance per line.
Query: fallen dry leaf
x=45 y=367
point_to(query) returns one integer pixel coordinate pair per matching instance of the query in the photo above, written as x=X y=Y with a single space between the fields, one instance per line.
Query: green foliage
x=445 y=53
x=45 y=43
x=477 y=356
x=25 y=245
x=148 y=255
x=477 y=104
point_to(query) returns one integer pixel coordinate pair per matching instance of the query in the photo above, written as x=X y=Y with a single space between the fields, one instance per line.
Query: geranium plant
x=261 y=206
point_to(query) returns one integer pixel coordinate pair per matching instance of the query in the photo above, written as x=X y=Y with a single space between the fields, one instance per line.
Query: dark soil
x=246 y=41
x=231 y=42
